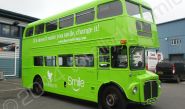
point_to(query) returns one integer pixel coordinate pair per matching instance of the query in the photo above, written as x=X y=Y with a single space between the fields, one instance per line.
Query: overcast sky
x=165 y=10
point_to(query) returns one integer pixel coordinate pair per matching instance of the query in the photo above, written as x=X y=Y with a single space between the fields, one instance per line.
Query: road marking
x=11 y=90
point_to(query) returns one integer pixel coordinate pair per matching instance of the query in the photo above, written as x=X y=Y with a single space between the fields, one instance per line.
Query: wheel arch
x=37 y=76
x=103 y=86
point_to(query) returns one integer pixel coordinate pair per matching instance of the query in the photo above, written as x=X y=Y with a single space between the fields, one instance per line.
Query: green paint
x=85 y=82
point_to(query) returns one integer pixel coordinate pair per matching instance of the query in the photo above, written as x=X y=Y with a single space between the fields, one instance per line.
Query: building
x=172 y=39
x=11 y=31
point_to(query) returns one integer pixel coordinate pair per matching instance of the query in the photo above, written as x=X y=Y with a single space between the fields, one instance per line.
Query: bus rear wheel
x=112 y=98
x=38 y=86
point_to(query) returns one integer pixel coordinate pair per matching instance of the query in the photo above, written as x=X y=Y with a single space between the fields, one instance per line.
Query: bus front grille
x=150 y=90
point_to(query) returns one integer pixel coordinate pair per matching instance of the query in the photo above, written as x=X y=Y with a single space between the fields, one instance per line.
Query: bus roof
x=79 y=9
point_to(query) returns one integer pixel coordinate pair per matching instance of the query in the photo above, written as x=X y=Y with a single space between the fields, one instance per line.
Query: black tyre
x=112 y=98
x=38 y=86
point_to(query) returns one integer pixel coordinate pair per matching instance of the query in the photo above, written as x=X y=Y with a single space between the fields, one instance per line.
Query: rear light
x=173 y=69
x=146 y=66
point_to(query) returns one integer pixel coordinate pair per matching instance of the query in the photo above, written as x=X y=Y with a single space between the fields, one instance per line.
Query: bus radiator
x=150 y=90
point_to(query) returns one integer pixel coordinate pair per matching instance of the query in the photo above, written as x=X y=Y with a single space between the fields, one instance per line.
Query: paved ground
x=9 y=88
x=12 y=96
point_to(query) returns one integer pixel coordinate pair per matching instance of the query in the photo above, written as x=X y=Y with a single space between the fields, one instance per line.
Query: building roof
x=17 y=16
x=176 y=20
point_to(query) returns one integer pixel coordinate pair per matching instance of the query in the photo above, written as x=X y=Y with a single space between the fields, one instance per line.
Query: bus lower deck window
x=84 y=60
x=50 y=61
x=65 y=60
x=38 y=61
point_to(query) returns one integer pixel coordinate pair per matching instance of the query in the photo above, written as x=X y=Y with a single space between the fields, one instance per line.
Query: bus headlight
x=135 y=90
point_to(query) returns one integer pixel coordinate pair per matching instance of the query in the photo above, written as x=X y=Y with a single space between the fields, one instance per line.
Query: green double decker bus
x=95 y=52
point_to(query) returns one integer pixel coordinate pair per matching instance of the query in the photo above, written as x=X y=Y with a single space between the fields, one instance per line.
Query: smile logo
x=76 y=84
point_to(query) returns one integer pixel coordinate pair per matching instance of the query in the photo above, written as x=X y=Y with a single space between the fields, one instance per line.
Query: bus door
x=103 y=62
x=112 y=62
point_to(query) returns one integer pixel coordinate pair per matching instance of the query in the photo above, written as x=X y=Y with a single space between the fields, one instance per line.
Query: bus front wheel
x=112 y=98
x=38 y=86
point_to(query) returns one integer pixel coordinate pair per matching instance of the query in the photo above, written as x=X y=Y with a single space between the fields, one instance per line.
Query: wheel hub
x=111 y=100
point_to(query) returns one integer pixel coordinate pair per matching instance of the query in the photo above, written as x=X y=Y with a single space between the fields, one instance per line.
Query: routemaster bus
x=95 y=52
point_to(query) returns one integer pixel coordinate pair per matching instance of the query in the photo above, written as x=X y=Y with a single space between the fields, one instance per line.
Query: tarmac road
x=12 y=96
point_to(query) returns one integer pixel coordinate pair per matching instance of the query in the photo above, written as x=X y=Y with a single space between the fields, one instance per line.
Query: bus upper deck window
x=110 y=9
x=39 y=29
x=51 y=26
x=29 y=32
x=85 y=16
x=133 y=9
x=147 y=14
x=67 y=21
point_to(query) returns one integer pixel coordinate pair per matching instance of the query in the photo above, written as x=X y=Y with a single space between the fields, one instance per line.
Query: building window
x=6 y=30
x=38 y=61
x=39 y=29
x=175 y=41
x=0 y=28
x=85 y=16
x=84 y=60
x=50 y=61
x=65 y=60
x=110 y=9
x=14 y=31
x=67 y=21
x=51 y=26
x=7 y=47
